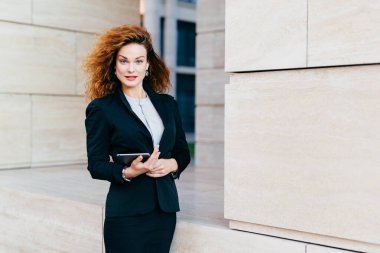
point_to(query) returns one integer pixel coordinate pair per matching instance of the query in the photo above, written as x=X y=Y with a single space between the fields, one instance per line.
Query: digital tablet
x=128 y=158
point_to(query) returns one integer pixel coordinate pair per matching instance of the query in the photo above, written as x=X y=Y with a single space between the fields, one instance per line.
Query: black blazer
x=112 y=127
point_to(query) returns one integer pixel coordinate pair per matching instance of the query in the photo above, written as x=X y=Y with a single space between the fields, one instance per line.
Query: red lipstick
x=131 y=78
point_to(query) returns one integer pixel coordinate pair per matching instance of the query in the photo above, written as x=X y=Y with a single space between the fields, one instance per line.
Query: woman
x=130 y=114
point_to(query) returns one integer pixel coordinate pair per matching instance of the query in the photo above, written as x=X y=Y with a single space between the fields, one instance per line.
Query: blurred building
x=172 y=24
x=211 y=79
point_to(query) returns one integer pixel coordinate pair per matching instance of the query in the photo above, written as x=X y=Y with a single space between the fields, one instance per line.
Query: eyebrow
x=127 y=58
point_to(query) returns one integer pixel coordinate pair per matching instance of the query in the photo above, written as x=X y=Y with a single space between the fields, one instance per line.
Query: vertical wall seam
x=307 y=33
x=31 y=12
x=103 y=219
x=76 y=63
x=305 y=248
x=31 y=129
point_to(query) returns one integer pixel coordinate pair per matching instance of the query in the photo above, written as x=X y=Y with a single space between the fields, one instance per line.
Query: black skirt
x=151 y=232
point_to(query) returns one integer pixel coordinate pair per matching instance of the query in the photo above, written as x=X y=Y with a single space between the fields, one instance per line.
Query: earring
x=146 y=73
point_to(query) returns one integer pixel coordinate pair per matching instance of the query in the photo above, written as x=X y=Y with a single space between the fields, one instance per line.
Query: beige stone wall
x=42 y=44
x=302 y=142
x=210 y=81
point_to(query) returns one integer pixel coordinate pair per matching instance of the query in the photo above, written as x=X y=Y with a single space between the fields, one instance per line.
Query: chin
x=131 y=85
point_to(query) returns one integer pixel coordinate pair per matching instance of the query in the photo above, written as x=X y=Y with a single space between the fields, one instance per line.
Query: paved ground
x=200 y=189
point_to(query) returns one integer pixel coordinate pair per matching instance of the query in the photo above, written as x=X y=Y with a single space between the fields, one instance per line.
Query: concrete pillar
x=210 y=82
x=170 y=41
x=152 y=14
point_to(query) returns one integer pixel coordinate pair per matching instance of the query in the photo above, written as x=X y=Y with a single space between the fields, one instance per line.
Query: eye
x=139 y=61
x=123 y=61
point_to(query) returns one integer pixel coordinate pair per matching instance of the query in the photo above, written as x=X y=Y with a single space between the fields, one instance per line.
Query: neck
x=136 y=92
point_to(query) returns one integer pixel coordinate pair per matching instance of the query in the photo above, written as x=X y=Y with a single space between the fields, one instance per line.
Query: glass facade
x=188 y=1
x=186 y=44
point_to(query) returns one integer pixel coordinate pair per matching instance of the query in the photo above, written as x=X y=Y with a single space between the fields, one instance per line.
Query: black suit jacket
x=112 y=127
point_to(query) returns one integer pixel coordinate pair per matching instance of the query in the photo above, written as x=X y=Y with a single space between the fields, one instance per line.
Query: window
x=186 y=44
x=188 y=1
x=186 y=100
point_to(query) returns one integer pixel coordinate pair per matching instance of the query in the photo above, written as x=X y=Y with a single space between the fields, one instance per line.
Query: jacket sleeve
x=98 y=146
x=180 y=150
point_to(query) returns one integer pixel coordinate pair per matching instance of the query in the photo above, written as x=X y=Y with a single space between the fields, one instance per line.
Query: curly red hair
x=100 y=62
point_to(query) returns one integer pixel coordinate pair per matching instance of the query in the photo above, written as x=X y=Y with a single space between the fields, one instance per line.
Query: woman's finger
x=155 y=151
x=137 y=160
x=158 y=172
x=153 y=157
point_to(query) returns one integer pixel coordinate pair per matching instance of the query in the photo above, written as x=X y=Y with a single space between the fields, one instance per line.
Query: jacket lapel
x=157 y=103
x=124 y=100
x=160 y=107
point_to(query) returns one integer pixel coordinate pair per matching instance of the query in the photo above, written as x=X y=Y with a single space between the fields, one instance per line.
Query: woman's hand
x=163 y=167
x=138 y=167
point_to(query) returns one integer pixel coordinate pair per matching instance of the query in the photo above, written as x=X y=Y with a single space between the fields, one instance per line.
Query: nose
x=131 y=67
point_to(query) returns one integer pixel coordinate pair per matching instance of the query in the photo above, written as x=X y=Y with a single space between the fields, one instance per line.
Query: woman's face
x=131 y=64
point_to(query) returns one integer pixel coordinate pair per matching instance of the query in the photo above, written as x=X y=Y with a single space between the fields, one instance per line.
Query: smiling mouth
x=131 y=77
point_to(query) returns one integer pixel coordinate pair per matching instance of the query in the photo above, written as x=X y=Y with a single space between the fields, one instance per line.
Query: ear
x=147 y=66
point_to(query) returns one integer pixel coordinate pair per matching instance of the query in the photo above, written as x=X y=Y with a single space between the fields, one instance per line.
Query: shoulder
x=166 y=98
x=170 y=104
x=100 y=104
